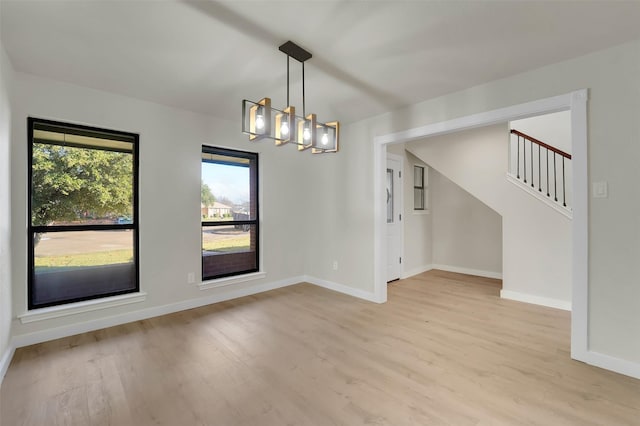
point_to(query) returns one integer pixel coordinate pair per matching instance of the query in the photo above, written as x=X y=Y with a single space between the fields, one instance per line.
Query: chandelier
x=262 y=121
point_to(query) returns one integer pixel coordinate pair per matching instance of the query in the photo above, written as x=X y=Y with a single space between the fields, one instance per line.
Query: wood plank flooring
x=444 y=350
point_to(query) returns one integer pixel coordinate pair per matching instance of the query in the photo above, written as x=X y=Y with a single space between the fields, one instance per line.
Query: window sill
x=222 y=282
x=420 y=212
x=43 y=314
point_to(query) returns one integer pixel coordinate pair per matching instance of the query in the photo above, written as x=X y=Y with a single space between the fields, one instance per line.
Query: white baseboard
x=622 y=366
x=468 y=271
x=536 y=300
x=341 y=288
x=415 y=271
x=7 y=356
x=73 y=329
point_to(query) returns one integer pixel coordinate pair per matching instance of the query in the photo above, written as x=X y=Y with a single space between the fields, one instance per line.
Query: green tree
x=69 y=182
x=206 y=195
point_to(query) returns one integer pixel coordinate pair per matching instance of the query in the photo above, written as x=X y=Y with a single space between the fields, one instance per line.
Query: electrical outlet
x=191 y=277
x=335 y=265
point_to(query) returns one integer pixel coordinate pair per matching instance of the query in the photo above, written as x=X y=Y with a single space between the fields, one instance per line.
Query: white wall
x=553 y=129
x=170 y=158
x=339 y=215
x=6 y=76
x=536 y=240
x=613 y=134
x=467 y=235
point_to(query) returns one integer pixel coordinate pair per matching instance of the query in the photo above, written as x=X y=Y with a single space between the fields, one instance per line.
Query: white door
x=394 y=217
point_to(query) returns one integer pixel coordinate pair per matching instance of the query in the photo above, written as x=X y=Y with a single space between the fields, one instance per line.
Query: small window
x=83 y=225
x=419 y=189
x=229 y=211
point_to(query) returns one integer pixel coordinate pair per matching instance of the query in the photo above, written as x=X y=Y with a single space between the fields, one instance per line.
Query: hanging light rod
x=261 y=121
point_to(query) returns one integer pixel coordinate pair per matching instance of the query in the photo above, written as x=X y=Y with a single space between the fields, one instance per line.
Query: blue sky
x=231 y=182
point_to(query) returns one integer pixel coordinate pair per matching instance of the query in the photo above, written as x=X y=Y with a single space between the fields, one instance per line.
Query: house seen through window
x=83 y=225
x=229 y=211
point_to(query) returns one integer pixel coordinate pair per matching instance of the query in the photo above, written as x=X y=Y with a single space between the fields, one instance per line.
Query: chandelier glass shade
x=262 y=121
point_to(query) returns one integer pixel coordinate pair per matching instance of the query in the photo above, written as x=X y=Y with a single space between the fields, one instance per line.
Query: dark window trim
x=79 y=129
x=82 y=130
x=252 y=156
x=420 y=187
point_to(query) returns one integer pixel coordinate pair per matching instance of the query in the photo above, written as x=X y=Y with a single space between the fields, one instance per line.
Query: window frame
x=253 y=158
x=422 y=188
x=32 y=229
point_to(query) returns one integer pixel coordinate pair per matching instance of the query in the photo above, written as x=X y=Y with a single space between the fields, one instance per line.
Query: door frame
x=399 y=193
x=576 y=102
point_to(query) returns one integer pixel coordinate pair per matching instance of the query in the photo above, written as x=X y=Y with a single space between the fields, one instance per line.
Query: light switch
x=600 y=190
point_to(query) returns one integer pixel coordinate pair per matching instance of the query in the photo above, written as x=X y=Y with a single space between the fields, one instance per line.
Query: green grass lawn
x=238 y=243
x=112 y=257
x=54 y=263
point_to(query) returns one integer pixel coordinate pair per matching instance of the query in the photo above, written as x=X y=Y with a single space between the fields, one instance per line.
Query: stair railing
x=522 y=140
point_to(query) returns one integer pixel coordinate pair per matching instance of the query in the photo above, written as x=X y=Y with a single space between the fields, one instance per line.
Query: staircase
x=542 y=169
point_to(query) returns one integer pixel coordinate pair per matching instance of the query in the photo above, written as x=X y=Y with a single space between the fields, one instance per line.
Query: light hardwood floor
x=445 y=349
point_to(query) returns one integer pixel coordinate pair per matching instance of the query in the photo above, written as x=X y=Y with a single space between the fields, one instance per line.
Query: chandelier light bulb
x=325 y=138
x=284 y=129
x=306 y=134
x=259 y=122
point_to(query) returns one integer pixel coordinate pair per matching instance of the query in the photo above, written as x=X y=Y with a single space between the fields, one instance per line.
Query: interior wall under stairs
x=467 y=234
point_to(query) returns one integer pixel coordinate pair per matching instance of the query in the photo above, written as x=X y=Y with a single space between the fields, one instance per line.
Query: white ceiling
x=368 y=57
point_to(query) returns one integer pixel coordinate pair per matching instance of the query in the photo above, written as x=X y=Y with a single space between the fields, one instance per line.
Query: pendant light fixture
x=261 y=121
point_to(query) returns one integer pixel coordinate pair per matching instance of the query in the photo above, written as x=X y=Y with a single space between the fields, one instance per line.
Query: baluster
x=564 y=191
x=539 y=174
x=531 y=146
x=524 y=158
x=518 y=157
x=555 y=179
x=547 y=171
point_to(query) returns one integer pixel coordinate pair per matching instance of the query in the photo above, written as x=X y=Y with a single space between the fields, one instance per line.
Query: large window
x=229 y=210
x=83 y=225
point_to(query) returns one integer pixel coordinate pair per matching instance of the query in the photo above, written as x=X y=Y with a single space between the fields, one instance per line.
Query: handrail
x=544 y=145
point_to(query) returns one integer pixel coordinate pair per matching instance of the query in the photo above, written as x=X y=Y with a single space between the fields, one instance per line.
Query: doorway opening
x=576 y=103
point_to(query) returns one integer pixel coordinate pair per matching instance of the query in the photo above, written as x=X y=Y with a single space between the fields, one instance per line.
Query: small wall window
x=419 y=188
x=229 y=211
x=83 y=225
